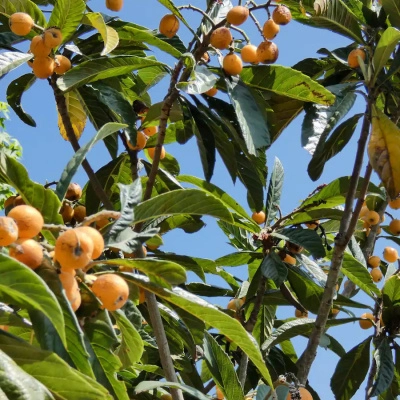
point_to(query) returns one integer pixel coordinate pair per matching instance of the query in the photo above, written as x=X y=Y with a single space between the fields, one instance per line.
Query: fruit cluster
x=42 y=47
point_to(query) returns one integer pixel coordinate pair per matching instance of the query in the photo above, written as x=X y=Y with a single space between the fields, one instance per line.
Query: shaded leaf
x=272 y=267
x=274 y=192
x=385 y=368
x=392 y=9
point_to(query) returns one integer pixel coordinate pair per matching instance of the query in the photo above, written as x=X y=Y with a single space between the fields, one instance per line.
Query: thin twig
x=199 y=10
x=242 y=32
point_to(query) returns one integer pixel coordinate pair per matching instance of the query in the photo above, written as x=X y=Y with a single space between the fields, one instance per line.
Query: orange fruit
x=70 y=285
x=394 y=227
x=169 y=25
x=219 y=394
x=304 y=394
x=364 y=211
x=52 y=37
x=258 y=217
x=150 y=131
x=9 y=202
x=8 y=231
x=38 y=48
x=43 y=67
x=29 y=220
x=267 y=52
x=249 y=53
x=352 y=58
x=376 y=274
x=270 y=29
x=18 y=201
x=63 y=64
x=74 y=192
x=237 y=15
x=141 y=140
x=374 y=261
x=80 y=213
x=152 y=150
x=390 y=254
x=300 y=314
x=112 y=291
x=67 y=212
x=232 y=64
x=281 y=15
x=28 y=252
x=221 y=38
x=312 y=225
x=97 y=238
x=372 y=218
x=366 y=321
x=73 y=249
x=114 y=5
x=235 y=304
x=395 y=204
x=289 y=259
x=211 y=92
x=21 y=23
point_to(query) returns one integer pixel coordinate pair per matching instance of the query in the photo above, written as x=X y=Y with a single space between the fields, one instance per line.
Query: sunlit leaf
x=274 y=192
x=12 y=59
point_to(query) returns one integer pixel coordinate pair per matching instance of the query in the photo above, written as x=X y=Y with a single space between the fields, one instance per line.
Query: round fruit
x=169 y=25
x=9 y=202
x=80 y=213
x=114 y=5
x=166 y=396
x=221 y=38
x=73 y=249
x=63 y=64
x=352 y=58
x=366 y=321
x=97 y=238
x=8 y=231
x=18 y=201
x=235 y=304
x=232 y=64
x=28 y=252
x=304 y=394
x=300 y=314
x=394 y=204
x=70 y=285
x=38 y=47
x=258 y=217
x=270 y=29
x=111 y=290
x=374 y=261
x=372 y=217
x=219 y=394
x=394 y=227
x=364 y=211
x=211 y=92
x=150 y=131
x=249 y=53
x=312 y=225
x=74 y=192
x=289 y=259
x=152 y=151
x=29 y=220
x=281 y=15
x=21 y=23
x=67 y=212
x=390 y=254
x=237 y=15
x=141 y=140
x=43 y=67
x=376 y=275
x=52 y=37
x=267 y=52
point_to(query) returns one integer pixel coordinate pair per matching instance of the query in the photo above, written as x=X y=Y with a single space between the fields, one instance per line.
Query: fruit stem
x=199 y=10
x=66 y=120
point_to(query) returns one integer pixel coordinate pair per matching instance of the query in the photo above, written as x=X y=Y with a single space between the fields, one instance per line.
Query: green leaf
x=287 y=82
x=63 y=381
x=20 y=286
x=182 y=201
x=313 y=268
x=252 y=123
x=307 y=238
x=386 y=45
x=102 y=68
x=385 y=368
x=391 y=292
x=274 y=192
x=314 y=215
x=335 y=144
x=171 y=7
x=351 y=371
x=210 y=315
x=238 y=259
x=15 y=383
x=221 y=368
x=79 y=156
x=392 y=9
x=10 y=60
x=67 y=15
x=273 y=268
x=15 y=91
x=201 y=80
x=109 y=35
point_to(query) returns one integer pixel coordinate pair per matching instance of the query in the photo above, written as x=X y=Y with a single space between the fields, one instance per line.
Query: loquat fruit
x=74 y=192
x=28 y=252
x=376 y=274
x=372 y=218
x=363 y=212
x=232 y=64
x=352 y=58
x=270 y=29
x=18 y=201
x=300 y=314
x=281 y=15
x=289 y=259
x=312 y=225
x=394 y=227
x=394 y=204
x=8 y=231
x=97 y=238
x=70 y=285
x=374 y=261
x=169 y=25
x=366 y=321
x=9 y=203
x=21 y=23
x=258 y=217
x=221 y=38
x=67 y=212
x=219 y=394
x=63 y=64
x=235 y=304
x=141 y=141
x=249 y=53
x=211 y=92
x=38 y=48
x=114 y=5
x=52 y=37
x=237 y=15
x=152 y=151
x=43 y=67
x=267 y=52
x=304 y=394
x=150 y=131
x=29 y=220
x=80 y=213
x=112 y=291
x=390 y=254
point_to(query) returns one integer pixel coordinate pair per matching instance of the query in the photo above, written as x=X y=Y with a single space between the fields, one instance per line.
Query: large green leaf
x=67 y=15
x=272 y=267
x=109 y=35
x=182 y=201
x=15 y=383
x=20 y=286
x=210 y=315
x=287 y=82
x=274 y=192
x=221 y=368
x=351 y=371
x=102 y=68
x=15 y=91
x=63 y=381
x=384 y=368
x=392 y=9
x=10 y=60
x=238 y=259
x=391 y=292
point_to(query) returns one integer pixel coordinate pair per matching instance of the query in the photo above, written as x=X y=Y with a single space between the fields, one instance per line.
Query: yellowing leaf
x=384 y=151
x=76 y=113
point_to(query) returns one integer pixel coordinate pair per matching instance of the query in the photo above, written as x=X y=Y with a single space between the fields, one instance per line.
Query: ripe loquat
x=74 y=192
x=281 y=15
x=249 y=53
x=38 y=48
x=289 y=259
x=8 y=231
x=52 y=37
x=169 y=25
x=21 y=23
x=352 y=58
x=376 y=274
x=267 y=52
x=29 y=220
x=43 y=67
x=363 y=212
x=219 y=394
x=28 y=252
x=70 y=285
x=366 y=321
x=112 y=291
x=63 y=64
x=211 y=92
x=80 y=213
x=372 y=218
x=394 y=204
x=114 y=5
x=67 y=212
x=97 y=238
x=221 y=38
x=270 y=29
x=237 y=15
x=374 y=261
x=304 y=394
x=232 y=64
x=390 y=254
x=258 y=217
x=394 y=227
x=141 y=141
x=300 y=314
x=150 y=131
x=152 y=150
x=235 y=304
